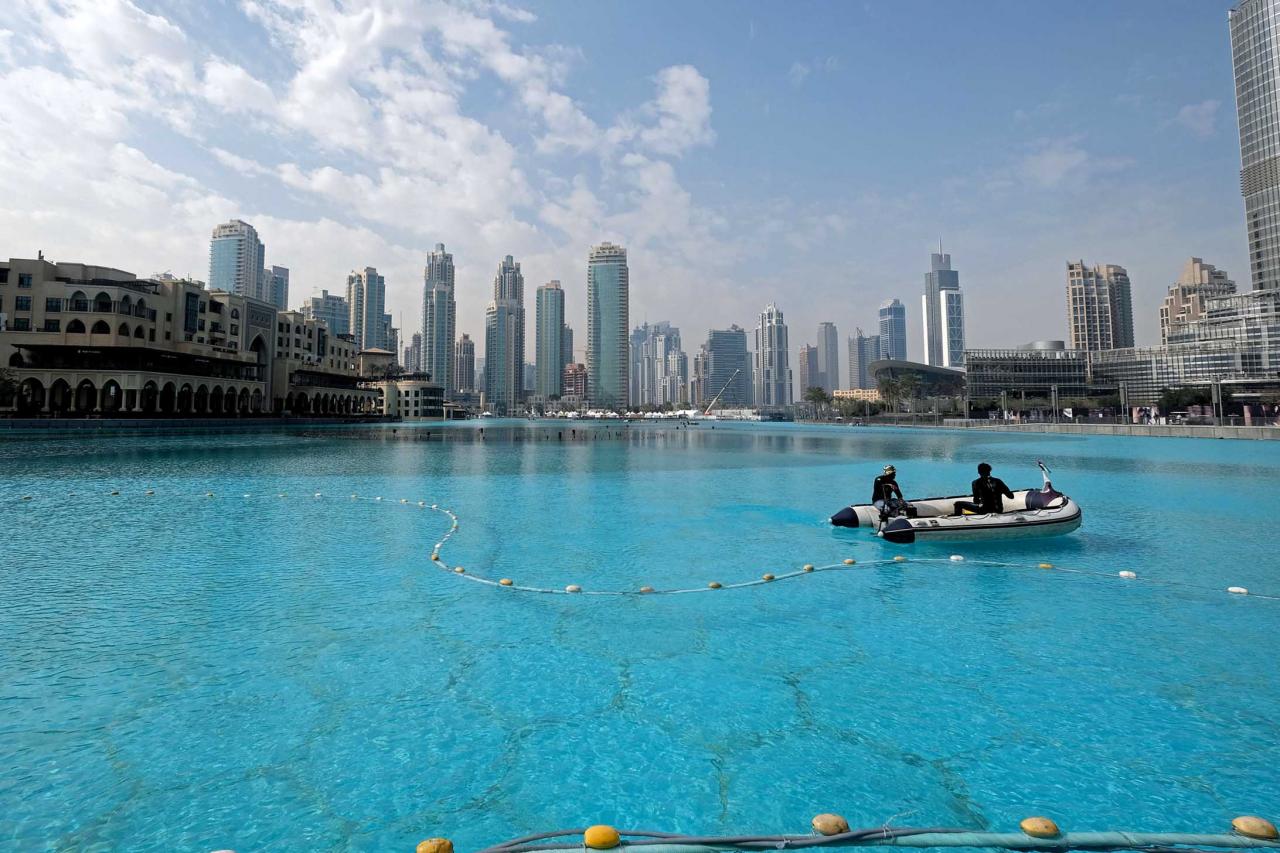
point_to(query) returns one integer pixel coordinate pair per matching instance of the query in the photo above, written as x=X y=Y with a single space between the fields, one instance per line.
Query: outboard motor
x=1046 y=497
x=846 y=517
x=899 y=531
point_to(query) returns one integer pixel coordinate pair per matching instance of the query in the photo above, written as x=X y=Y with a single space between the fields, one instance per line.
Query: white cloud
x=683 y=111
x=1201 y=119
x=798 y=73
x=235 y=90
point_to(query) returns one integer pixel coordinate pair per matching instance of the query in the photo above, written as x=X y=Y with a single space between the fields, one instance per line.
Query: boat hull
x=934 y=521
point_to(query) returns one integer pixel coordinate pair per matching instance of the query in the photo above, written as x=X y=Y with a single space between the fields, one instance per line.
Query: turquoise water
x=180 y=672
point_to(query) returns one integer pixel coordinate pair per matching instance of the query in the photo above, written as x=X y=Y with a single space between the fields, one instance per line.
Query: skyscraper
x=439 y=320
x=828 y=354
x=464 y=364
x=566 y=344
x=279 y=292
x=808 y=368
x=504 y=339
x=1255 y=31
x=943 y=308
x=772 y=370
x=366 y=300
x=549 y=343
x=893 y=331
x=862 y=351
x=608 y=316
x=391 y=336
x=727 y=368
x=1187 y=297
x=651 y=347
x=413 y=353
x=330 y=308
x=1099 y=307
x=237 y=259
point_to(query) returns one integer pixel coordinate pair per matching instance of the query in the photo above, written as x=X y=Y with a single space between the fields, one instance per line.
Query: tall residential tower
x=1099 y=307
x=504 y=340
x=237 y=261
x=893 y=331
x=549 y=341
x=828 y=354
x=773 y=372
x=439 y=320
x=366 y=300
x=608 y=317
x=943 y=307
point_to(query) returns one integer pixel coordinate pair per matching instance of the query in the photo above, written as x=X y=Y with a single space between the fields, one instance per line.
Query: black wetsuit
x=884 y=488
x=988 y=496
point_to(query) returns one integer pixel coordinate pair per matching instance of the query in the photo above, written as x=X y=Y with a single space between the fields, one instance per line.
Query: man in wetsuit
x=885 y=493
x=988 y=494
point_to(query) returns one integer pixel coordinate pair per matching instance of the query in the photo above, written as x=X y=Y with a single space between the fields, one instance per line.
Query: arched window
x=101 y=328
x=140 y=333
x=123 y=331
x=75 y=327
x=102 y=302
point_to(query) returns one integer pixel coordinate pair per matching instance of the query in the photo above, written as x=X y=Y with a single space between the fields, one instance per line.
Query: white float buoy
x=956 y=558
x=1237 y=590
x=1128 y=574
x=318 y=494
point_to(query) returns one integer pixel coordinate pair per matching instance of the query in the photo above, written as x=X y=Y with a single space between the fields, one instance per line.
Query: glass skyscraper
x=332 y=309
x=237 y=261
x=1255 y=38
x=893 y=330
x=863 y=350
x=549 y=341
x=943 y=308
x=504 y=340
x=828 y=355
x=439 y=318
x=727 y=370
x=608 y=317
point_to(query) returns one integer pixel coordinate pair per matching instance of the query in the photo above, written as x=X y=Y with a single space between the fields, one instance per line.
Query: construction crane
x=716 y=398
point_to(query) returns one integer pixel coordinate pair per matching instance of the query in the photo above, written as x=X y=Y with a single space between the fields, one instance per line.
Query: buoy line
x=847 y=564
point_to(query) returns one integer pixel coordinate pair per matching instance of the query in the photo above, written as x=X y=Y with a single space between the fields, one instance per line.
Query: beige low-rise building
x=862 y=395
x=93 y=341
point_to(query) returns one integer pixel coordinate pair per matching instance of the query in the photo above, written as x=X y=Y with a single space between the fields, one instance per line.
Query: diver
x=886 y=495
x=988 y=494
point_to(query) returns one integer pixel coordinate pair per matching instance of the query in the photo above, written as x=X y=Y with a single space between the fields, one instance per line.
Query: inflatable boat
x=1030 y=513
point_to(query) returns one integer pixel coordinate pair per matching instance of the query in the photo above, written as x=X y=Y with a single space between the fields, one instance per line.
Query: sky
x=807 y=154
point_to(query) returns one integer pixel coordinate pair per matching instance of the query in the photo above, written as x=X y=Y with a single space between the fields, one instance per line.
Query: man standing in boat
x=988 y=494
x=886 y=495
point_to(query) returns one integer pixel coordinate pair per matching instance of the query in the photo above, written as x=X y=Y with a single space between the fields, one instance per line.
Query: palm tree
x=909 y=386
x=890 y=388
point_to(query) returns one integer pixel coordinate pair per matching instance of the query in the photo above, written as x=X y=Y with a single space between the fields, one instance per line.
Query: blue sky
x=810 y=154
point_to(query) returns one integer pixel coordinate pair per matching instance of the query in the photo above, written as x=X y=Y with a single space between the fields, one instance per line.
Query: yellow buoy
x=1039 y=827
x=573 y=587
x=714 y=585
x=829 y=824
x=505 y=581
x=435 y=556
x=766 y=576
x=459 y=570
x=808 y=567
x=646 y=589
x=1255 y=827
x=435 y=845
x=601 y=837
x=1046 y=565
x=849 y=561
x=899 y=559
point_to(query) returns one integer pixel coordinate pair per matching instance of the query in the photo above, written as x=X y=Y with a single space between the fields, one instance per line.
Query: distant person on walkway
x=885 y=493
x=988 y=494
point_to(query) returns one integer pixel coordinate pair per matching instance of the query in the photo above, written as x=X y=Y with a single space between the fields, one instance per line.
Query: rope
x=654 y=842
x=846 y=565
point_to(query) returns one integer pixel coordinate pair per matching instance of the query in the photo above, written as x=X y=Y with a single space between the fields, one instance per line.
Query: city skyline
x=666 y=152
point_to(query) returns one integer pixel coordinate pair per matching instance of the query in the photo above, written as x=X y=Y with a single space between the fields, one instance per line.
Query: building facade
x=727 y=369
x=504 y=340
x=575 y=382
x=1099 y=307
x=608 y=318
x=549 y=342
x=807 y=368
x=237 y=261
x=366 y=302
x=278 y=294
x=566 y=344
x=650 y=350
x=772 y=368
x=893 y=331
x=1255 y=33
x=1187 y=298
x=942 y=306
x=439 y=320
x=828 y=355
x=464 y=364
x=331 y=309
x=863 y=350
x=95 y=341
